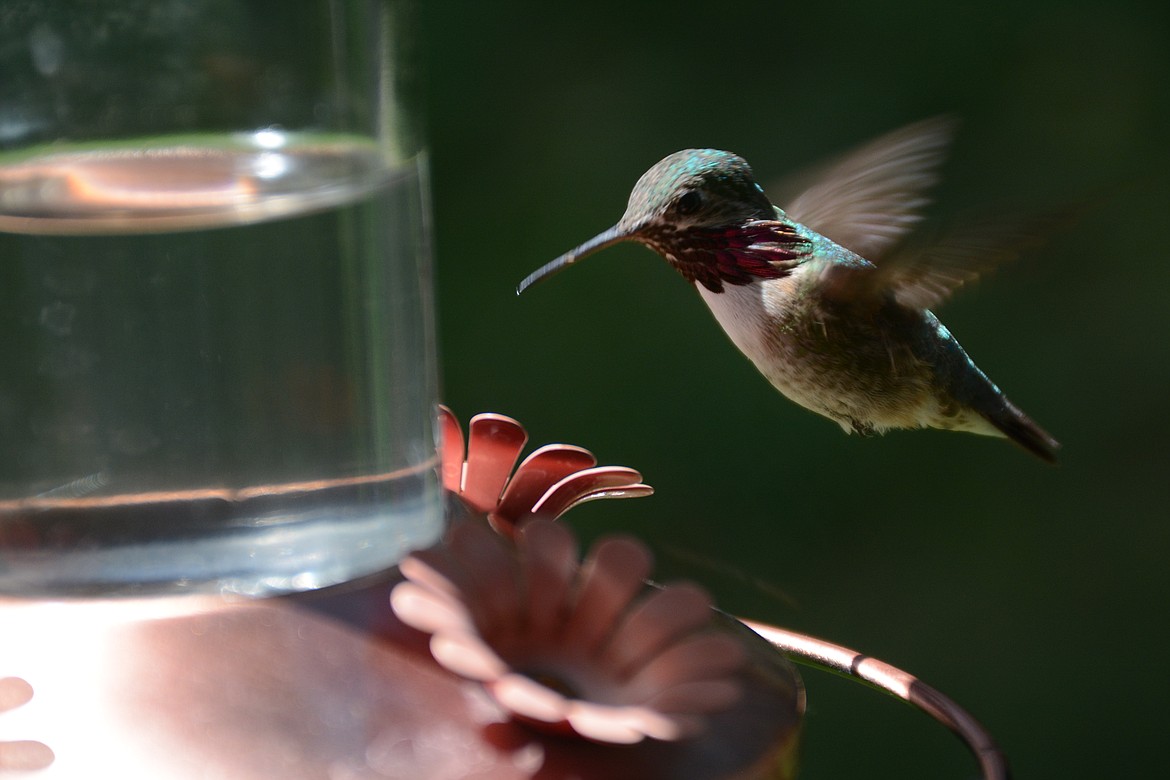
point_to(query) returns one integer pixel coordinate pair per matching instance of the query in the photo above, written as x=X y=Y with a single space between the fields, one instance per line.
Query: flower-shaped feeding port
x=567 y=647
x=549 y=482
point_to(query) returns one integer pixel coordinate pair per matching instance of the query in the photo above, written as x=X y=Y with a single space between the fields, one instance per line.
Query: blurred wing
x=871 y=197
x=923 y=275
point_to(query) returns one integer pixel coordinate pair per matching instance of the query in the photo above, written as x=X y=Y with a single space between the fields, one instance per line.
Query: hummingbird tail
x=1018 y=427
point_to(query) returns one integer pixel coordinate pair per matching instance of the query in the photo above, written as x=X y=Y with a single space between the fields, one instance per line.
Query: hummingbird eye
x=688 y=203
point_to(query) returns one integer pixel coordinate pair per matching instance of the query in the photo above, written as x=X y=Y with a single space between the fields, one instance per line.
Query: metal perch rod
x=905 y=686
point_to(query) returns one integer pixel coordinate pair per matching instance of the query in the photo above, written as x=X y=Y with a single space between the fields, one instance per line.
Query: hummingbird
x=827 y=297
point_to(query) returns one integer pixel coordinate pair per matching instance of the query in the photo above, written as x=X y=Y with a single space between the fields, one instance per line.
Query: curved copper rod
x=818 y=652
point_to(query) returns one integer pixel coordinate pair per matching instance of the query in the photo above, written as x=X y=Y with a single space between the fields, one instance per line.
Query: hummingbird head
x=695 y=188
x=701 y=210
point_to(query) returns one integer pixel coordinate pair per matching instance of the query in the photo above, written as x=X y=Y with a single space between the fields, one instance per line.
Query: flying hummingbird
x=825 y=297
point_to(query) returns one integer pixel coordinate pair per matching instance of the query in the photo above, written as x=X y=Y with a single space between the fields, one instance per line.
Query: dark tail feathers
x=1018 y=427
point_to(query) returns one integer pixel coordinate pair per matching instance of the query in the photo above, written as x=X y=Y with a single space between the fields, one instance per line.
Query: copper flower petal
x=698 y=696
x=425 y=610
x=434 y=569
x=611 y=576
x=660 y=618
x=489 y=565
x=14 y=692
x=622 y=491
x=471 y=559
x=670 y=726
x=605 y=724
x=494 y=444
x=573 y=488
x=701 y=656
x=548 y=560
x=537 y=473
x=467 y=655
x=521 y=694
x=481 y=475
x=595 y=721
x=453 y=452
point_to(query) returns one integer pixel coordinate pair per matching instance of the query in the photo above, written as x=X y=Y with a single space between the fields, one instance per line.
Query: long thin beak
x=598 y=242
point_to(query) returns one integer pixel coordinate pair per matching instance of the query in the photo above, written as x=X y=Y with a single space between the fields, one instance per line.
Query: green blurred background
x=1036 y=596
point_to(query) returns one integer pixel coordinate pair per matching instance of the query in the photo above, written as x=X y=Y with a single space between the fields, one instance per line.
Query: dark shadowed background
x=1036 y=596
